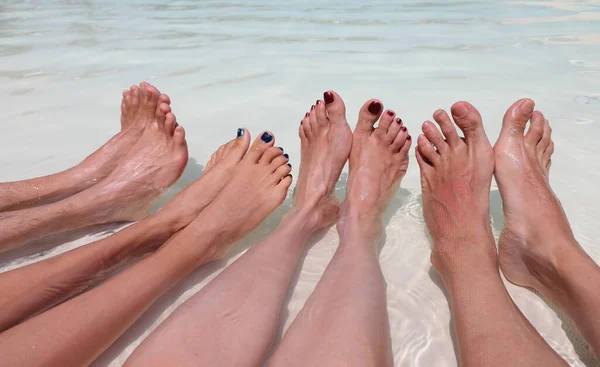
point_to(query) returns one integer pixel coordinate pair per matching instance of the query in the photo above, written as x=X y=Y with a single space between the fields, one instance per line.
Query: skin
x=54 y=338
x=456 y=176
x=154 y=163
x=537 y=248
x=245 y=317
x=345 y=320
x=137 y=111
x=32 y=289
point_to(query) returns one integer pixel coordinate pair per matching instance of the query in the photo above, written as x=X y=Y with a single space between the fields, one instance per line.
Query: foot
x=456 y=175
x=257 y=187
x=378 y=162
x=537 y=233
x=326 y=140
x=138 y=109
x=219 y=170
x=153 y=164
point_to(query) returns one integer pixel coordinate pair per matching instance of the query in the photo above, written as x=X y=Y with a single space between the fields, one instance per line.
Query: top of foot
x=535 y=225
x=326 y=140
x=378 y=162
x=456 y=176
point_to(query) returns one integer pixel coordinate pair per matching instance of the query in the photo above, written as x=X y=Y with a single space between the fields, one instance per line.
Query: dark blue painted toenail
x=290 y=165
x=281 y=148
x=286 y=155
x=176 y=124
x=240 y=133
x=266 y=137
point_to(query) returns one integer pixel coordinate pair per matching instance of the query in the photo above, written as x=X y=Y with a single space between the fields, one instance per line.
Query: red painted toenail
x=307 y=114
x=375 y=107
x=399 y=120
x=403 y=128
x=312 y=108
x=318 y=102
x=390 y=112
x=328 y=97
x=408 y=138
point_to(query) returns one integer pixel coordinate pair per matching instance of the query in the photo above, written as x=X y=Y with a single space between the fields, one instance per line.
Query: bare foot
x=378 y=162
x=326 y=140
x=219 y=170
x=259 y=185
x=537 y=233
x=153 y=164
x=138 y=109
x=456 y=176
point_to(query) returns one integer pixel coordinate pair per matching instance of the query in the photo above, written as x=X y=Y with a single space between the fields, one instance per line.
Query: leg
x=241 y=306
x=101 y=315
x=137 y=110
x=30 y=290
x=345 y=321
x=456 y=175
x=153 y=164
x=537 y=247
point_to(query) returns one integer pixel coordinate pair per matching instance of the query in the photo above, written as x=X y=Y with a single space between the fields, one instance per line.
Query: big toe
x=235 y=152
x=516 y=117
x=336 y=109
x=368 y=116
x=469 y=121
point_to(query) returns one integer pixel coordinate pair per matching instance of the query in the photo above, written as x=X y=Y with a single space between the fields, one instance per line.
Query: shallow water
x=260 y=65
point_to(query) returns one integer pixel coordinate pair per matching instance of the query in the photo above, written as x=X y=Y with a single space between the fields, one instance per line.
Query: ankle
x=465 y=255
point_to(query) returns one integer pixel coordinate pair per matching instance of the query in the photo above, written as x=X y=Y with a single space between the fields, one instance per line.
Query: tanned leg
x=456 y=175
x=241 y=306
x=137 y=111
x=345 y=320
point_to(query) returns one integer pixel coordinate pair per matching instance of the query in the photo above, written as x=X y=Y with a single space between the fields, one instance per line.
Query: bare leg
x=101 y=315
x=345 y=320
x=137 y=111
x=241 y=306
x=153 y=164
x=456 y=176
x=32 y=289
x=537 y=247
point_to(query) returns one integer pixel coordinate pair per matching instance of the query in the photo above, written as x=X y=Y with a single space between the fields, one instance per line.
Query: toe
x=170 y=125
x=516 y=117
x=336 y=109
x=427 y=150
x=448 y=128
x=536 y=130
x=405 y=148
x=312 y=116
x=149 y=93
x=264 y=141
x=321 y=114
x=282 y=171
x=163 y=98
x=424 y=165
x=386 y=120
x=283 y=186
x=469 y=121
x=135 y=96
x=434 y=136
x=305 y=125
x=544 y=142
x=368 y=115
x=236 y=149
x=393 y=130
x=163 y=109
x=270 y=154
x=280 y=161
x=400 y=139
x=179 y=134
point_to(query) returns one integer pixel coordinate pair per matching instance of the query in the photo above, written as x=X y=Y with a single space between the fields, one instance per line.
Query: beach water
x=261 y=65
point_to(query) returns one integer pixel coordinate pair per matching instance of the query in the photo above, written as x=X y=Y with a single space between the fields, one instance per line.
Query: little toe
x=393 y=130
x=336 y=109
x=260 y=145
x=405 y=148
x=434 y=136
x=270 y=154
x=427 y=150
x=400 y=139
x=448 y=128
x=179 y=134
x=367 y=117
x=535 y=131
x=469 y=121
x=516 y=117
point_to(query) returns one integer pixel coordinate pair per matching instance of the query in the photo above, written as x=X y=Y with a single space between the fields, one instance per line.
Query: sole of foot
x=153 y=164
x=258 y=186
x=326 y=140
x=537 y=233
x=456 y=175
x=378 y=162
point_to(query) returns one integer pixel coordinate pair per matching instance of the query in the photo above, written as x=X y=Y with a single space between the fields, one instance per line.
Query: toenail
x=176 y=124
x=286 y=156
x=460 y=110
x=527 y=107
x=408 y=138
x=307 y=114
x=390 y=112
x=281 y=148
x=328 y=97
x=312 y=107
x=240 y=132
x=375 y=107
x=266 y=137
x=289 y=165
x=399 y=120
x=404 y=128
x=318 y=102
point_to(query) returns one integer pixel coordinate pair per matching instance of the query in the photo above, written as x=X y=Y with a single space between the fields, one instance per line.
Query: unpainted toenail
x=328 y=97
x=460 y=110
x=527 y=107
x=375 y=107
